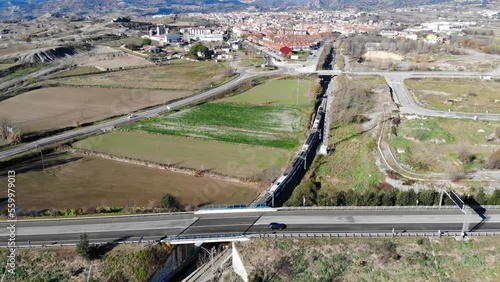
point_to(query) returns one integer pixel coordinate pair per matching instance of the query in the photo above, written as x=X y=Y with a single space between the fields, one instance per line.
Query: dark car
x=277 y=226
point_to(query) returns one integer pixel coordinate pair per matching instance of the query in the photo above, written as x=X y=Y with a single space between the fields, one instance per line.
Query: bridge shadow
x=352 y=136
x=36 y=164
x=99 y=251
x=479 y=210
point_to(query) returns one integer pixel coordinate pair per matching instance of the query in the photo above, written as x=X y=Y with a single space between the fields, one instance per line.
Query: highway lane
x=143 y=114
x=131 y=228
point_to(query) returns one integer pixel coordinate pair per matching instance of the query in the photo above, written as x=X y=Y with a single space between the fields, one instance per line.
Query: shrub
x=457 y=174
x=494 y=199
x=465 y=156
x=494 y=160
x=170 y=202
x=83 y=248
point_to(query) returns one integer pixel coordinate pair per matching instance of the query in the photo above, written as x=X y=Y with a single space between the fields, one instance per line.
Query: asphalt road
x=143 y=114
x=153 y=227
x=407 y=103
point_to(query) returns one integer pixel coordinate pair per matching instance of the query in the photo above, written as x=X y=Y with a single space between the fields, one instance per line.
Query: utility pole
x=90 y=269
x=298 y=83
x=466 y=217
x=41 y=155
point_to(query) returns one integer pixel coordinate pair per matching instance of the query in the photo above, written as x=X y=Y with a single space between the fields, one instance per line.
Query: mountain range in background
x=15 y=9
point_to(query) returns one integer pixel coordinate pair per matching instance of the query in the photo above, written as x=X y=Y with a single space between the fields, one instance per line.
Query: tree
x=406 y=198
x=389 y=198
x=146 y=41
x=427 y=197
x=199 y=49
x=170 y=202
x=83 y=248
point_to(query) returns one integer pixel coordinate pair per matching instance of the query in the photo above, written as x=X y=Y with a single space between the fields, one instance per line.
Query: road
x=153 y=227
x=243 y=75
x=409 y=105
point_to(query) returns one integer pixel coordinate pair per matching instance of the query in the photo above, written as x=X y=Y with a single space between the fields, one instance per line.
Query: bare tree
x=6 y=128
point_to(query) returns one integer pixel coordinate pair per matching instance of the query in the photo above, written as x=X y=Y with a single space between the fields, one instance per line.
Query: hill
x=34 y=8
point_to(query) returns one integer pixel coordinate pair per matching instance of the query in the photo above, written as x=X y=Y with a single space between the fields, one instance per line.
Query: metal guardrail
x=208 y=236
x=55 y=245
x=239 y=206
x=370 y=235
x=97 y=216
x=447 y=207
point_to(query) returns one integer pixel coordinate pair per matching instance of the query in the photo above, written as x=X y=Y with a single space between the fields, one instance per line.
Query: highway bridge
x=219 y=225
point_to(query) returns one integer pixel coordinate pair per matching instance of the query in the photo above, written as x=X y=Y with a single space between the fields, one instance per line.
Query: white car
x=132 y=116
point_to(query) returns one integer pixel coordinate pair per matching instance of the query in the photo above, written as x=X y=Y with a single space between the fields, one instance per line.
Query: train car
x=277 y=183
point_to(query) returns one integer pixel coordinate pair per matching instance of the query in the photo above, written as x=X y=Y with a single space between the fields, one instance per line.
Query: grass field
x=225 y=158
x=63 y=264
x=247 y=118
x=78 y=71
x=279 y=118
x=276 y=92
x=73 y=181
x=464 y=95
x=179 y=75
x=24 y=71
x=402 y=259
x=352 y=163
x=433 y=144
x=5 y=66
x=49 y=108
x=248 y=62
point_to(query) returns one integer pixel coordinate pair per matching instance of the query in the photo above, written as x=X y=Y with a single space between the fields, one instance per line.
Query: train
x=283 y=186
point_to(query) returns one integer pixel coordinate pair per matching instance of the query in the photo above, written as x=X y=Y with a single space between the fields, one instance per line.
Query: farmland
x=403 y=259
x=219 y=157
x=78 y=71
x=72 y=180
x=234 y=139
x=247 y=118
x=178 y=75
x=277 y=92
x=49 y=108
x=434 y=144
x=463 y=95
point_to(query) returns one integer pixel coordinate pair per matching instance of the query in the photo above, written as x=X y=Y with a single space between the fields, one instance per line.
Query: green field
x=462 y=95
x=257 y=117
x=248 y=62
x=24 y=71
x=433 y=144
x=401 y=259
x=277 y=118
x=78 y=71
x=277 y=92
x=352 y=164
x=273 y=126
x=5 y=66
x=169 y=126
x=224 y=158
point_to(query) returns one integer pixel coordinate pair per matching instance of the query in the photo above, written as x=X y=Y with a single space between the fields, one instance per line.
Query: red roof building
x=285 y=50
